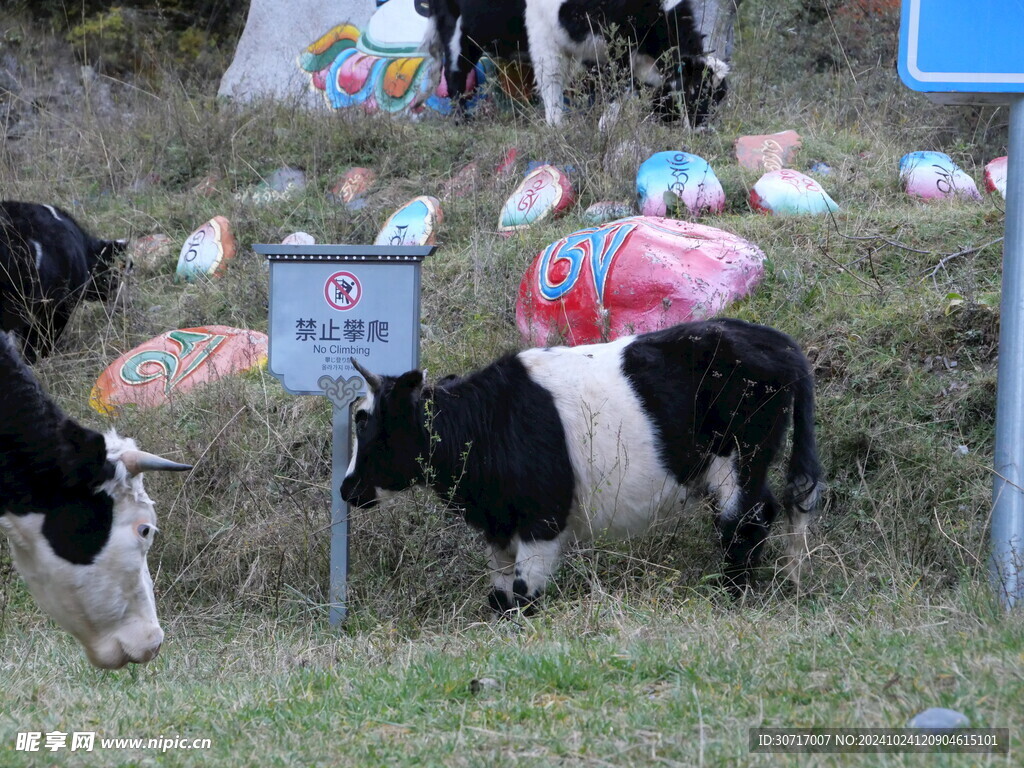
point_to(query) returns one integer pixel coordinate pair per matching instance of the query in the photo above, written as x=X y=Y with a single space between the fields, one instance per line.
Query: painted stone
x=633 y=275
x=384 y=67
x=350 y=188
x=415 y=223
x=790 y=193
x=769 y=152
x=152 y=373
x=282 y=185
x=207 y=250
x=547 y=192
x=934 y=176
x=995 y=176
x=465 y=181
x=299 y=238
x=606 y=210
x=667 y=181
x=286 y=178
x=820 y=168
x=149 y=252
x=507 y=165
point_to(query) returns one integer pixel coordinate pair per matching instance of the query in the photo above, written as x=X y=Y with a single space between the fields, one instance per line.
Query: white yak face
x=84 y=561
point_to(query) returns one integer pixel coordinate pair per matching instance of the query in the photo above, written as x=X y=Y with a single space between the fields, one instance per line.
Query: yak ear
x=412 y=381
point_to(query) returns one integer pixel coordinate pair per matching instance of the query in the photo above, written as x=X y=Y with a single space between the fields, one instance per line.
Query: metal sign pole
x=1007 y=531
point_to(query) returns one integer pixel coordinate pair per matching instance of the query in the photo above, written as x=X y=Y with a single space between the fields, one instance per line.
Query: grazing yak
x=602 y=440
x=48 y=263
x=78 y=520
x=665 y=47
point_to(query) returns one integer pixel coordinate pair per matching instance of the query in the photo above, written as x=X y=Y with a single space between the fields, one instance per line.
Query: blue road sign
x=963 y=51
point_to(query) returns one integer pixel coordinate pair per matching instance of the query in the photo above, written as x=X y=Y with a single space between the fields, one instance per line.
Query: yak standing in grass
x=48 y=263
x=663 y=44
x=602 y=440
x=78 y=520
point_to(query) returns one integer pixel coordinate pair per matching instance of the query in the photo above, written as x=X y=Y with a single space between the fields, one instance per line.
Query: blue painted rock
x=175 y=362
x=934 y=176
x=633 y=275
x=822 y=169
x=667 y=181
x=607 y=210
x=207 y=250
x=995 y=176
x=415 y=223
x=547 y=192
x=769 y=152
x=790 y=193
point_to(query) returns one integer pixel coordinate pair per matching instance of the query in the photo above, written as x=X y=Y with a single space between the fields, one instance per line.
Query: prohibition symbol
x=343 y=291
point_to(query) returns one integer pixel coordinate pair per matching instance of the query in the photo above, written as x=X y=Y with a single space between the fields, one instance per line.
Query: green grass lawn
x=635 y=658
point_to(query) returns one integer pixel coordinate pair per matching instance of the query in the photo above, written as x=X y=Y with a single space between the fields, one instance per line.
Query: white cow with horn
x=78 y=520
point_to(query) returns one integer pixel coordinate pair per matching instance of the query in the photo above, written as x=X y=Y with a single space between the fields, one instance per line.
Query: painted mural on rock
x=383 y=66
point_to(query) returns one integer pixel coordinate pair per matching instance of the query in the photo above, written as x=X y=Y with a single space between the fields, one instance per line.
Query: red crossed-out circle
x=343 y=291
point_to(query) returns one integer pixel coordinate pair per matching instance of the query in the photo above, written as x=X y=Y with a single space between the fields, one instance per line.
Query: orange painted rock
x=174 y=362
x=353 y=184
x=633 y=275
x=207 y=250
x=771 y=152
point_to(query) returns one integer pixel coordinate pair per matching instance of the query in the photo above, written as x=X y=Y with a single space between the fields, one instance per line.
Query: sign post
x=329 y=303
x=960 y=52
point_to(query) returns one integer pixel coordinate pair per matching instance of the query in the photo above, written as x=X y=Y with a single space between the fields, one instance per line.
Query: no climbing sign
x=329 y=304
x=343 y=291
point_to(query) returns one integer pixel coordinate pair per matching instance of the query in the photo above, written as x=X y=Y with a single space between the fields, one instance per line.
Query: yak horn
x=141 y=461
x=372 y=379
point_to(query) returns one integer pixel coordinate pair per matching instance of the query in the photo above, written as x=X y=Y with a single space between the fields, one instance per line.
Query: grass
x=635 y=658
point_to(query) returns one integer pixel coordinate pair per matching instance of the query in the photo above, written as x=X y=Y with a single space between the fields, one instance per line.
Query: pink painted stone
x=934 y=176
x=547 y=192
x=207 y=250
x=668 y=181
x=790 y=193
x=769 y=152
x=633 y=275
x=466 y=181
x=995 y=176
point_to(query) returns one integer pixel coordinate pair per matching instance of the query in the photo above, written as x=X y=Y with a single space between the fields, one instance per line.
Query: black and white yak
x=48 y=263
x=680 y=48
x=78 y=519
x=602 y=440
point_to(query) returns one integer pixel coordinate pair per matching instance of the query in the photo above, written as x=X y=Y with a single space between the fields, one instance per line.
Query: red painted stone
x=150 y=251
x=353 y=184
x=466 y=181
x=995 y=175
x=770 y=152
x=174 y=362
x=633 y=275
x=507 y=165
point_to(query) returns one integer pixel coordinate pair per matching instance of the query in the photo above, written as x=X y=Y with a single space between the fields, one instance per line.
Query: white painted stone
x=276 y=32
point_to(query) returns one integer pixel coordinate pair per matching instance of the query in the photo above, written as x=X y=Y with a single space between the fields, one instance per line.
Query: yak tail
x=803 y=479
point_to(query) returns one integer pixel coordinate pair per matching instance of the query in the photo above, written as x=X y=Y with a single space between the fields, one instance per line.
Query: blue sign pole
x=1007 y=531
